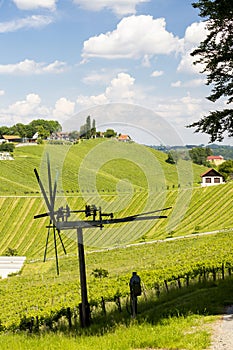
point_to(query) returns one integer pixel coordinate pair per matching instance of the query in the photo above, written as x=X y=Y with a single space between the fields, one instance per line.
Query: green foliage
x=215 y=53
x=44 y=127
x=7 y=147
x=88 y=130
x=109 y=133
x=100 y=273
x=199 y=155
x=11 y=252
x=172 y=157
x=226 y=169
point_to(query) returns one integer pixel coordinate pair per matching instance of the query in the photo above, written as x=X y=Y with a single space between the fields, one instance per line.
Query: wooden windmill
x=59 y=221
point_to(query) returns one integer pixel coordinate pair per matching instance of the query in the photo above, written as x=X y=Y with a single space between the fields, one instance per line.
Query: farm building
x=211 y=177
x=217 y=160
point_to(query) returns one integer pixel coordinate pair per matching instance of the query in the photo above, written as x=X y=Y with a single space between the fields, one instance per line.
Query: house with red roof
x=124 y=138
x=211 y=177
x=217 y=160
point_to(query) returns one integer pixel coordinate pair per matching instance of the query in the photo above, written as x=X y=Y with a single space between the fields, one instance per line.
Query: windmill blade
x=38 y=216
x=50 y=184
x=68 y=225
x=150 y=212
x=51 y=213
x=132 y=218
x=55 y=189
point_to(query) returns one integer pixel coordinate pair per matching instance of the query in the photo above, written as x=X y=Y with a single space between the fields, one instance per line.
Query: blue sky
x=65 y=59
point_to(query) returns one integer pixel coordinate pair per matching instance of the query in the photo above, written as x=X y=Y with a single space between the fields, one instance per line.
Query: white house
x=211 y=177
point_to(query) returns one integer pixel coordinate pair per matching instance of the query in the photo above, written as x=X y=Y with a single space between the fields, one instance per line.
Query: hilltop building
x=124 y=138
x=216 y=160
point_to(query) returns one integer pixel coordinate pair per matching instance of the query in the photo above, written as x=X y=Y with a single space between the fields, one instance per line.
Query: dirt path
x=223 y=332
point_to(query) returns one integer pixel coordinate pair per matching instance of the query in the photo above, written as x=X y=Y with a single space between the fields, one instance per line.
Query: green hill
x=125 y=179
x=121 y=178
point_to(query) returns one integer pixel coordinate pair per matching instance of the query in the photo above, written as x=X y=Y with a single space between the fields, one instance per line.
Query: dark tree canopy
x=215 y=53
x=200 y=154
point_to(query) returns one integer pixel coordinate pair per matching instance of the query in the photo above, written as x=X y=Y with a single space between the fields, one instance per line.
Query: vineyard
x=124 y=186
x=38 y=291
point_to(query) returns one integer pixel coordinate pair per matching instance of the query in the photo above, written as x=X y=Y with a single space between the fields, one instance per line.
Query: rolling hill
x=121 y=178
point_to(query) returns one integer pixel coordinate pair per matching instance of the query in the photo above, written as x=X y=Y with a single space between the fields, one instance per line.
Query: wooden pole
x=85 y=309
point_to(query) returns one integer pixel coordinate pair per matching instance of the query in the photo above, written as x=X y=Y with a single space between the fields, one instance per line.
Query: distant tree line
x=44 y=128
x=198 y=155
x=88 y=131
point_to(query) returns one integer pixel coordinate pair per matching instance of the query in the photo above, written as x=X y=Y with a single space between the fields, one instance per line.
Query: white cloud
x=157 y=73
x=63 y=108
x=27 y=23
x=102 y=76
x=135 y=37
x=2 y=92
x=25 y=107
x=31 y=107
x=35 y=4
x=121 y=89
x=176 y=84
x=187 y=65
x=194 y=34
x=31 y=67
x=120 y=7
x=193 y=83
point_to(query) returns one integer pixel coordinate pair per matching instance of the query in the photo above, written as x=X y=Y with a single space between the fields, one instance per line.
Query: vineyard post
x=85 y=309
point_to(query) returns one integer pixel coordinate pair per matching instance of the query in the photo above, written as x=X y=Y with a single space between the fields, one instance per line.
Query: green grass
x=127 y=179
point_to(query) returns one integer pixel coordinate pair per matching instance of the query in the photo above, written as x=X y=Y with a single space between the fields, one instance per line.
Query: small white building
x=211 y=177
x=11 y=264
x=5 y=156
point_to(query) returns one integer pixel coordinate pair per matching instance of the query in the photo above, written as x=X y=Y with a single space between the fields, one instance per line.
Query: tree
x=172 y=157
x=110 y=133
x=88 y=127
x=226 y=169
x=215 y=53
x=93 y=129
x=199 y=155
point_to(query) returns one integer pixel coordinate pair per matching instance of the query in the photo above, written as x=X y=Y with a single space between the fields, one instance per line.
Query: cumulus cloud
x=157 y=73
x=119 y=7
x=63 y=108
x=31 y=67
x=135 y=37
x=35 y=21
x=176 y=84
x=194 y=34
x=35 y=4
x=2 y=92
x=25 y=107
x=120 y=89
x=23 y=111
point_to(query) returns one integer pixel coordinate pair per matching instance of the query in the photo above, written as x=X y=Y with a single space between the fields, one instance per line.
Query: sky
x=126 y=63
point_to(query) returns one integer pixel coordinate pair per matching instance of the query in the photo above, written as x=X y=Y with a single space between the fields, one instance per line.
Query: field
x=123 y=184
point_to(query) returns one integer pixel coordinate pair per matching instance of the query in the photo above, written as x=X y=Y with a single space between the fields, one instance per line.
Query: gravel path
x=223 y=332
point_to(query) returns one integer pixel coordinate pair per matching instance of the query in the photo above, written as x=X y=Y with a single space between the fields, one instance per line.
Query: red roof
x=123 y=137
x=214 y=157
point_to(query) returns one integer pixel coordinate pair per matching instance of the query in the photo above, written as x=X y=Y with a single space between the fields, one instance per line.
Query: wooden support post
x=85 y=309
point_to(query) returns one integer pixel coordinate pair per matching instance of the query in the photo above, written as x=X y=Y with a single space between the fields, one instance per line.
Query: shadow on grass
x=206 y=298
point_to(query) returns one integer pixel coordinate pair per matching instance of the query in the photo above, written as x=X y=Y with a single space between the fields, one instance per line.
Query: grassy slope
x=194 y=209
x=209 y=209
